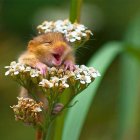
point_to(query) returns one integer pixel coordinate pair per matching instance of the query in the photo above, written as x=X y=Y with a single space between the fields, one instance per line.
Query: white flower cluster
x=56 y=78
x=72 y=32
x=17 y=68
x=86 y=74
x=61 y=78
x=55 y=82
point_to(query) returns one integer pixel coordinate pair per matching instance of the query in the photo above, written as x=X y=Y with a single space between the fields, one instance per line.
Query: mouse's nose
x=60 y=48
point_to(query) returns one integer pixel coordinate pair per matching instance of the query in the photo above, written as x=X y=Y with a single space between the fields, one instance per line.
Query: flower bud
x=27 y=110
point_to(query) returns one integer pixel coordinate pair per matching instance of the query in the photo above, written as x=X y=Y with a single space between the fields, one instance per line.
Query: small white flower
x=83 y=78
x=88 y=79
x=7 y=73
x=16 y=72
x=70 y=74
x=28 y=68
x=86 y=72
x=78 y=76
x=84 y=34
x=82 y=82
x=55 y=84
x=46 y=83
x=55 y=79
x=65 y=85
x=72 y=40
x=83 y=67
x=94 y=73
x=34 y=73
x=53 y=69
x=97 y=74
x=37 y=109
x=78 y=38
x=13 y=63
x=21 y=67
x=80 y=27
x=7 y=67
x=74 y=33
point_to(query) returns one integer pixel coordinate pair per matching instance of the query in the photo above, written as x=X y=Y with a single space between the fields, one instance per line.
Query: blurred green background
x=109 y=20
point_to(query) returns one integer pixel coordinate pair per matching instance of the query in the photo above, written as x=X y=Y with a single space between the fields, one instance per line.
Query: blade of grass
x=76 y=115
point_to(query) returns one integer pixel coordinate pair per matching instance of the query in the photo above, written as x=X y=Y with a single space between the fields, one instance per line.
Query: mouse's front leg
x=42 y=67
x=69 y=63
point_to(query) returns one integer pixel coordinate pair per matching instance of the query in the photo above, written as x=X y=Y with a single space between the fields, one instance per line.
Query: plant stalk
x=75 y=11
x=44 y=135
x=39 y=134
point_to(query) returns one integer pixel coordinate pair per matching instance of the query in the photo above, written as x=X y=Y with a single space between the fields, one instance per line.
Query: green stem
x=44 y=135
x=75 y=10
x=59 y=122
x=48 y=117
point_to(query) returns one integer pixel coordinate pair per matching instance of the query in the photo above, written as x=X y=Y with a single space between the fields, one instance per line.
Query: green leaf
x=129 y=98
x=129 y=84
x=134 y=51
x=132 y=35
x=77 y=115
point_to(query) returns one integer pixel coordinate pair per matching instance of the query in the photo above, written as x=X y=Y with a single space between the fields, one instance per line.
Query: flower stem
x=75 y=10
x=39 y=134
x=59 y=122
x=44 y=135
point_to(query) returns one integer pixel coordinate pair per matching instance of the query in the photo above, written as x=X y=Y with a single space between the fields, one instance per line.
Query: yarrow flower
x=47 y=89
x=64 y=79
x=46 y=83
x=17 y=68
x=34 y=73
x=52 y=86
x=27 y=110
x=14 y=68
x=72 y=32
x=56 y=78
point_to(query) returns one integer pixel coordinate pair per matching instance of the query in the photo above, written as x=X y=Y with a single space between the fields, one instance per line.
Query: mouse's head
x=51 y=48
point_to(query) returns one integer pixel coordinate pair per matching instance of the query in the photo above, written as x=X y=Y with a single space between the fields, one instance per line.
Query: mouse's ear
x=31 y=44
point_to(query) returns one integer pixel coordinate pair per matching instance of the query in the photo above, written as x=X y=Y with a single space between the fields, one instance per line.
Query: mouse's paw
x=57 y=108
x=42 y=67
x=69 y=65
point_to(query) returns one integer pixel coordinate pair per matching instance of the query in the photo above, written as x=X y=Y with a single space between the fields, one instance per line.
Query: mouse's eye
x=47 y=43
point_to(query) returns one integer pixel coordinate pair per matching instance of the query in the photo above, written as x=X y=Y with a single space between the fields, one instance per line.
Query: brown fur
x=42 y=49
